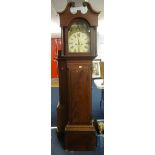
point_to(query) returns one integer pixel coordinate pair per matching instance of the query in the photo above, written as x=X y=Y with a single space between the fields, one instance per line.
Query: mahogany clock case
x=74 y=113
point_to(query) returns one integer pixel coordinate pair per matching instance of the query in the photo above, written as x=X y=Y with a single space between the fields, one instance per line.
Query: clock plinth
x=80 y=137
x=74 y=112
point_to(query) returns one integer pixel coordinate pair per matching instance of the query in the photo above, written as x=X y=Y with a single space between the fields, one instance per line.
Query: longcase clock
x=79 y=48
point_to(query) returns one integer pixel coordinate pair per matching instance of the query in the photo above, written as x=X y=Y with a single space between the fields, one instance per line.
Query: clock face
x=79 y=38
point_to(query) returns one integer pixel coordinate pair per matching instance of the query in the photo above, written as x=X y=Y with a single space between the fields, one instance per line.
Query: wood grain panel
x=79 y=83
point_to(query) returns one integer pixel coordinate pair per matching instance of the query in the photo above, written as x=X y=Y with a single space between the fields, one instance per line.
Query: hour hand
x=78 y=42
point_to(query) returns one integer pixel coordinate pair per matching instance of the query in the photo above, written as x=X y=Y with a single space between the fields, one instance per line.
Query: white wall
x=100 y=40
x=100 y=46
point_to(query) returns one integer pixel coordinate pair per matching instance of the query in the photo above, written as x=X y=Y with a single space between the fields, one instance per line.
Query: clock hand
x=78 y=46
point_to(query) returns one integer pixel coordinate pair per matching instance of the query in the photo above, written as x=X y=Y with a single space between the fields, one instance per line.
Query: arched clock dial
x=79 y=38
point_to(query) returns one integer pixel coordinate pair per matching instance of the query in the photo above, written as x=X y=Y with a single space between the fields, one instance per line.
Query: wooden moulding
x=79 y=128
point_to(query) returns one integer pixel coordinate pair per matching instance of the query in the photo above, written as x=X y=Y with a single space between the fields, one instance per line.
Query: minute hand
x=78 y=46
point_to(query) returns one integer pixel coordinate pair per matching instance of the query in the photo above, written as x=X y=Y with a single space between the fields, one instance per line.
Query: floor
x=57 y=149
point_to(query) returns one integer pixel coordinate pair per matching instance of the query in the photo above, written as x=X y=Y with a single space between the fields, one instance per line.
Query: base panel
x=80 y=138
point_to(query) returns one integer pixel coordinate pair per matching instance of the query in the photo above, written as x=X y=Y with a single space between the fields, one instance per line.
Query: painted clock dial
x=79 y=38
